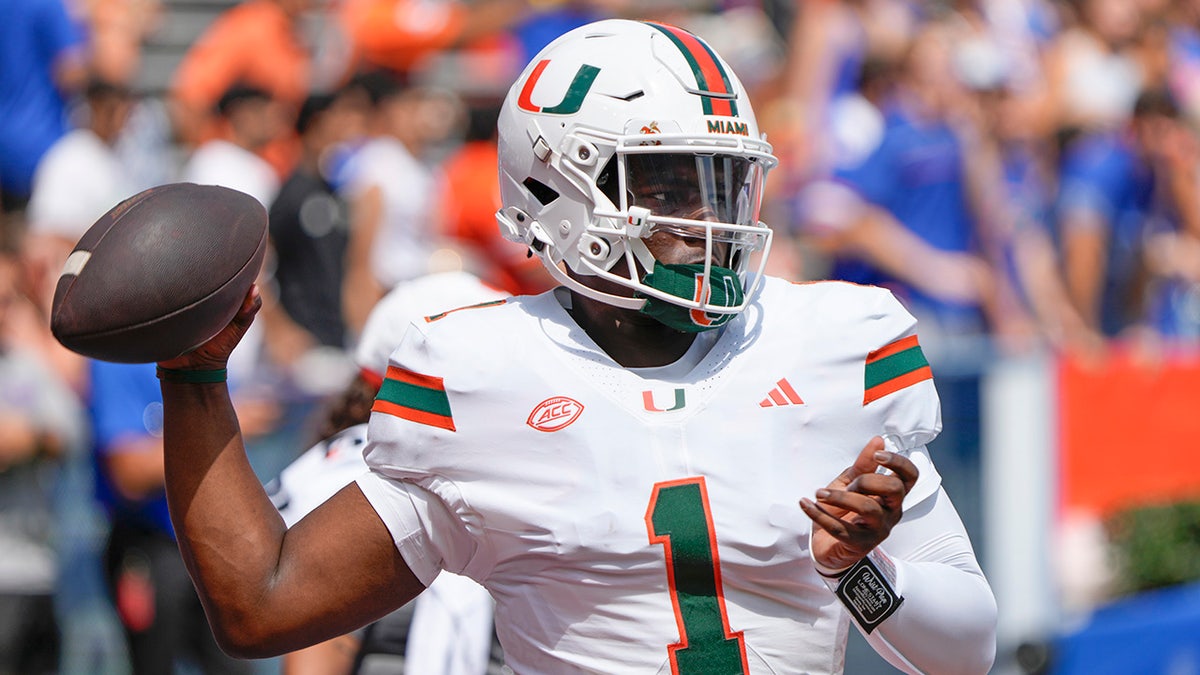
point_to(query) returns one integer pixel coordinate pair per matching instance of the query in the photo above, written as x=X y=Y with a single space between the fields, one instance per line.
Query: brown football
x=159 y=274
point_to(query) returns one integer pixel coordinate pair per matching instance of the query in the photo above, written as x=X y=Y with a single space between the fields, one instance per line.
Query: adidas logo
x=782 y=394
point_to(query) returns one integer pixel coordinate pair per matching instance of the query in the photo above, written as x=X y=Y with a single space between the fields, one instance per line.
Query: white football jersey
x=645 y=521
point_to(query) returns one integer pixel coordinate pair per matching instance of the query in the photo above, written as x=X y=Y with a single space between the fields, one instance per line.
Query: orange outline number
x=679 y=518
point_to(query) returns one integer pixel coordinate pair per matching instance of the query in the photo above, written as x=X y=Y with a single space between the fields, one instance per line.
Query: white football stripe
x=75 y=262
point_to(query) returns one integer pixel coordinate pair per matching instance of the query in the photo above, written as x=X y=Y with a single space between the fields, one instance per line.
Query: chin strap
x=687 y=282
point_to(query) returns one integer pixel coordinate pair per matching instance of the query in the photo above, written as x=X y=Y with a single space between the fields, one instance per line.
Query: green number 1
x=679 y=519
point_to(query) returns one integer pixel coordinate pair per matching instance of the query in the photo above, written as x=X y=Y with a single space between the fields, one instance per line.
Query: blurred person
x=447 y=630
x=914 y=172
x=257 y=43
x=309 y=221
x=252 y=120
x=116 y=31
x=469 y=198
x=625 y=524
x=79 y=178
x=278 y=371
x=163 y=621
x=1013 y=161
x=397 y=35
x=919 y=189
x=827 y=44
x=1093 y=74
x=43 y=63
x=1120 y=190
x=390 y=183
x=41 y=425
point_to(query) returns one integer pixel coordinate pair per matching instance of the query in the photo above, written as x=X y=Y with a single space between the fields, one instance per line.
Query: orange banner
x=1129 y=433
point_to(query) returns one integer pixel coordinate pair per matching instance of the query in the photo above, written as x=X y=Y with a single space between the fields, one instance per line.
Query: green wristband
x=192 y=376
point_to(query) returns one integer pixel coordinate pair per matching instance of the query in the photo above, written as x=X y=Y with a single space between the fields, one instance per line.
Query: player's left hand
x=859 y=508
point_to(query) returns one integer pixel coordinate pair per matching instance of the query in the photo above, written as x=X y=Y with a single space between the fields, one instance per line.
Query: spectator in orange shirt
x=468 y=176
x=257 y=43
x=399 y=34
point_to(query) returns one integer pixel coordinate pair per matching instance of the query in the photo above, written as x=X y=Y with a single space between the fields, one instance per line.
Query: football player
x=671 y=463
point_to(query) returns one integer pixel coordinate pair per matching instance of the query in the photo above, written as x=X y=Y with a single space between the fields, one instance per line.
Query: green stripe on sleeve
x=891 y=367
x=432 y=401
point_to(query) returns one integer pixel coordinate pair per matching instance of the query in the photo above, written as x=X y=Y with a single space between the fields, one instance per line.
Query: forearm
x=229 y=533
x=1084 y=264
x=946 y=620
x=946 y=623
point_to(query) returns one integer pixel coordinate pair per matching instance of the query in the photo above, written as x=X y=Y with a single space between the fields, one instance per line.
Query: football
x=159 y=274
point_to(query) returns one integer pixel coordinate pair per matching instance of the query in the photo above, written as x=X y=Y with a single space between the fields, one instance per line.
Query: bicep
x=338 y=570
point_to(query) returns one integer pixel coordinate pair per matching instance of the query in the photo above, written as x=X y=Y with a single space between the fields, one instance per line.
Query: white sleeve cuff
x=405 y=519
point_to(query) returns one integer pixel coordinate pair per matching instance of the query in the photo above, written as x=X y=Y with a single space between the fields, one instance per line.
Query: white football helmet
x=617 y=129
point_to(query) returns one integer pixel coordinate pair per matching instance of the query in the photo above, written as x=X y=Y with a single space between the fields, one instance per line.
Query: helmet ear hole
x=608 y=182
x=540 y=191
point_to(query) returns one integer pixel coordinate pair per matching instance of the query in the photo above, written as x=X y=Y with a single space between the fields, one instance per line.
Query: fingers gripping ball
x=160 y=274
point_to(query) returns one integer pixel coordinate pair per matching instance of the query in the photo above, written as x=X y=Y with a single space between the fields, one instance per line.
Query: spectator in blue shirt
x=1119 y=190
x=160 y=612
x=42 y=62
x=918 y=177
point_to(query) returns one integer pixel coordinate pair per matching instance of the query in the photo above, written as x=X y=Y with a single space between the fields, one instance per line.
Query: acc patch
x=554 y=413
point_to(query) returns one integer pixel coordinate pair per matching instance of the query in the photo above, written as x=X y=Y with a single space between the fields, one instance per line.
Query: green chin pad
x=683 y=281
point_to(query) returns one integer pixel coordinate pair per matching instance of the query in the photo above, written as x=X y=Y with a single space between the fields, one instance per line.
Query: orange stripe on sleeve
x=408 y=376
x=893 y=348
x=896 y=384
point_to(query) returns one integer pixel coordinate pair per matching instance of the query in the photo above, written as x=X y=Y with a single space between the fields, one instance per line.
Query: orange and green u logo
x=648 y=401
x=725 y=293
x=571 y=101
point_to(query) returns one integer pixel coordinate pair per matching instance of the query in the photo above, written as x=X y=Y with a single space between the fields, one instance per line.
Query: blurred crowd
x=1021 y=173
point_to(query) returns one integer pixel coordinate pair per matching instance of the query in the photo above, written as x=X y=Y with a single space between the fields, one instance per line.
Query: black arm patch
x=866 y=592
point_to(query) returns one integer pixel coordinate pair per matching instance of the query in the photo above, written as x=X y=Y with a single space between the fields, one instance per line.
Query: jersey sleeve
x=899 y=390
x=428 y=535
x=412 y=422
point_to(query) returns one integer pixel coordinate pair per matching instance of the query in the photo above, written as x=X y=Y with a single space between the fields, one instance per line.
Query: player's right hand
x=214 y=354
x=857 y=510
